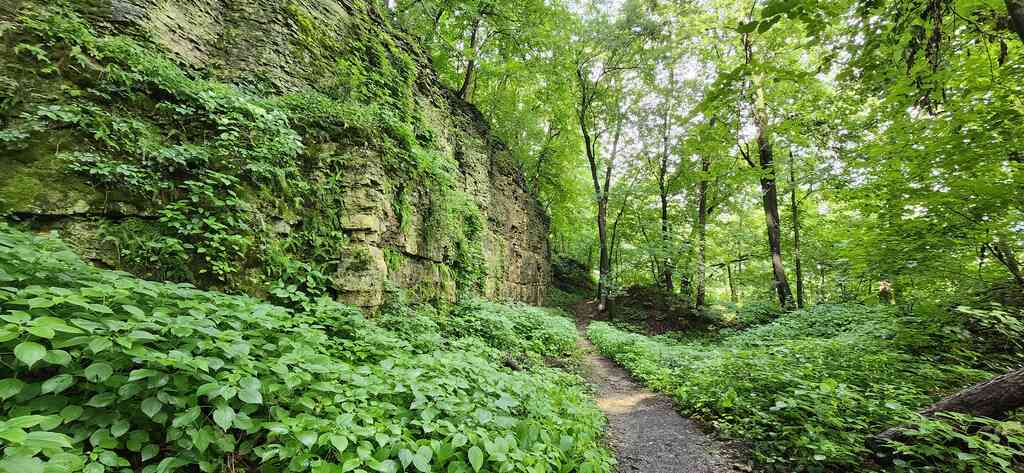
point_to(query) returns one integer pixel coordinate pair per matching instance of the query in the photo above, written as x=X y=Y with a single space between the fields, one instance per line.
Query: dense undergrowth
x=809 y=388
x=106 y=372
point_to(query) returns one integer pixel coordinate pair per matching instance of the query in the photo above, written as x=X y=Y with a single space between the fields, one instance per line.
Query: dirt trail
x=646 y=432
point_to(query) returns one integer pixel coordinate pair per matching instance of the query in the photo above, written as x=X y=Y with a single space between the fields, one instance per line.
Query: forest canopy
x=787 y=150
x=301 y=236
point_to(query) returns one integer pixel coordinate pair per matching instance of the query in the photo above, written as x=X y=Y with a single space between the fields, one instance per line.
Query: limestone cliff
x=274 y=147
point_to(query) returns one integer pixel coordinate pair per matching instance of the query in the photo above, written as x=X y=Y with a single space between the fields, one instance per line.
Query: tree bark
x=1003 y=252
x=605 y=264
x=667 y=268
x=795 y=210
x=600 y=192
x=769 y=191
x=1016 y=10
x=993 y=399
x=732 y=285
x=467 y=79
x=702 y=222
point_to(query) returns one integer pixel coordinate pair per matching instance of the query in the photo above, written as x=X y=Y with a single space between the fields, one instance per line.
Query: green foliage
x=756 y=313
x=107 y=372
x=959 y=442
x=810 y=387
x=216 y=164
x=514 y=328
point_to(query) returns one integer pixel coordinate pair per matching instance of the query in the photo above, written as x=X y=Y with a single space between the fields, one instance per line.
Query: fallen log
x=993 y=398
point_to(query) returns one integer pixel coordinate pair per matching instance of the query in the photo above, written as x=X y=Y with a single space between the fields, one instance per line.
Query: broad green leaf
x=186 y=418
x=119 y=428
x=223 y=416
x=386 y=466
x=351 y=464
x=151 y=406
x=139 y=374
x=99 y=344
x=24 y=422
x=47 y=440
x=150 y=451
x=57 y=357
x=64 y=463
x=72 y=412
x=29 y=352
x=249 y=391
x=476 y=458
x=201 y=439
x=41 y=332
x=98 y=372
x=57 y=384
x=307 y=438
x=421 y=460
x=340 y=442
x=134 y=311
x=10 y=387
x=21 y=464
x=102 y=400
x=12 y=435
x=405 y=456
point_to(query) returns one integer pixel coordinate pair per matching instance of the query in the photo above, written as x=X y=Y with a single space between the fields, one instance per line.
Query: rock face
x=261 y=146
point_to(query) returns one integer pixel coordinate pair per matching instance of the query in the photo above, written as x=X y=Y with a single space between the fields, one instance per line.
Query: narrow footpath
x=645 y=431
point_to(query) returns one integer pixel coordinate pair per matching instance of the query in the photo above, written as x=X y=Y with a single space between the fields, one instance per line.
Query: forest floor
x=645 y=431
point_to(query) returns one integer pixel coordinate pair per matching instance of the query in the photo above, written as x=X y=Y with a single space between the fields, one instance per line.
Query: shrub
x=515 y=328
x=806 y=389
x=959 y=442
x=112 y=372
x=757 y=313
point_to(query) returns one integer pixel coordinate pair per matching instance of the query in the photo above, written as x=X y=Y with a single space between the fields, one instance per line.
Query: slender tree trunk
x=769 y=190
x=1016 y=11
x=732 y=285
x=667 y=268
x=1003 y=252
x=600 y=191
x=795 y=210
x=702 y=222
x=467 y=79
x=605 y=268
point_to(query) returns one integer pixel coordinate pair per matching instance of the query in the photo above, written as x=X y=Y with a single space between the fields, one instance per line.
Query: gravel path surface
x=646 y=432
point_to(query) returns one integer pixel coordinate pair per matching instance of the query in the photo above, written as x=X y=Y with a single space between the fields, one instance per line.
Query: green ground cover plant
x=808 y=389
x=102 y=371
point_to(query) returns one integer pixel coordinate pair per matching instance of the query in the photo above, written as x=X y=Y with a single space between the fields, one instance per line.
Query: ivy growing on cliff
x=216 y=166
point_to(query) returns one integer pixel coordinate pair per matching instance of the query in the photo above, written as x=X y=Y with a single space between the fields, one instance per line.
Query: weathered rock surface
x=259 y=44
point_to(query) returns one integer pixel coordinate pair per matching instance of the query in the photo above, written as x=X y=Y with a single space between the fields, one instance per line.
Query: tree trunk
x=702 y=221
x=667 y=268
x=600 y=192
x=795 y=210
x=1016 y=11
x=467 y=80
x=1003 y=252
x=770 y=201
x=604 y=270
x=769 y=191
x=993 y=399
x=732 y=285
